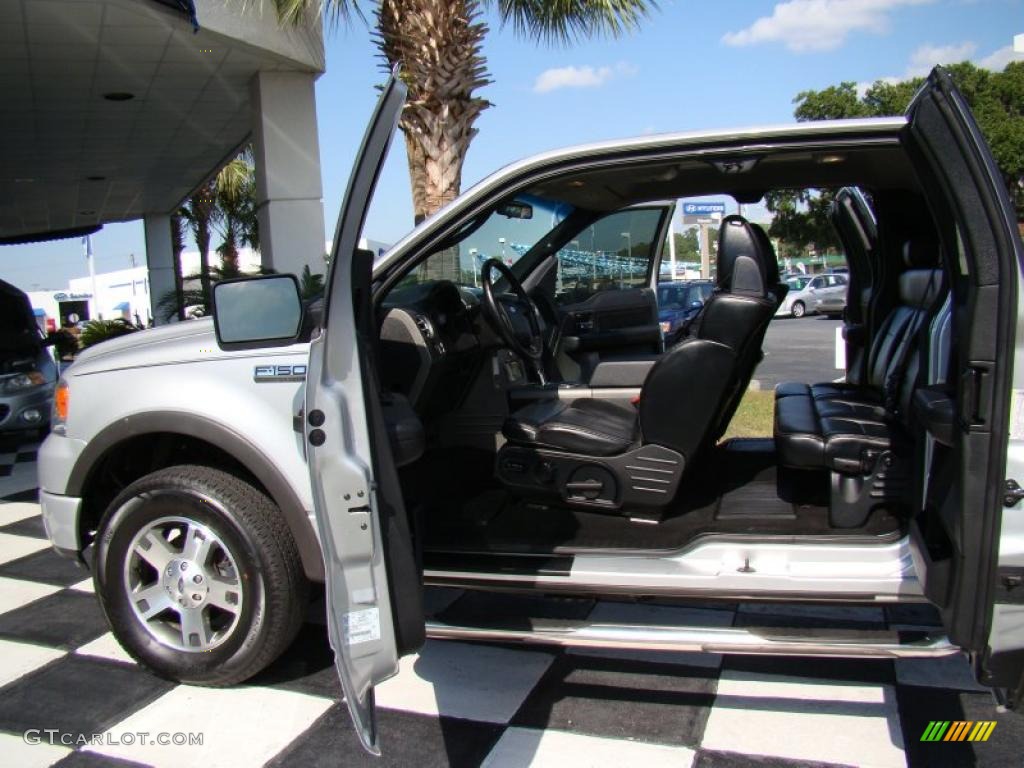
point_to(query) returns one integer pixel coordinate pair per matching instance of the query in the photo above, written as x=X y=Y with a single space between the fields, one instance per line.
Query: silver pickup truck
x=506 y=418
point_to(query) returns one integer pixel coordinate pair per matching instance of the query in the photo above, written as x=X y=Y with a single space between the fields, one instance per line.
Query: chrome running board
x=771 y=641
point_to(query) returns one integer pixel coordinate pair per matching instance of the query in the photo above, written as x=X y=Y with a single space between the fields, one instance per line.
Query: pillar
x=159 y=261
x=288 y=187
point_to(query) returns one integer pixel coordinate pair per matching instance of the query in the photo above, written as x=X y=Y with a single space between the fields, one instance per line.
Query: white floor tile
x=85 y=585
x=13 y=511
x=12 y=547
x=658 y=615
x=18 y=659
x=15 y=593
x=106 y=647
x=15 y=751
x=475 y=682
x=239 y=726
x=524 y=746
x=789 y=717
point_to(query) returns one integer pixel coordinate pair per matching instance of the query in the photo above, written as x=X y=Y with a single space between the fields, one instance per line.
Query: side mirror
x=696 y=304
x=257 y=312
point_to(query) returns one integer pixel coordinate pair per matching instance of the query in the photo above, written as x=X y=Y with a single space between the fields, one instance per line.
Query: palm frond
x=295 y=12
x=568 y=21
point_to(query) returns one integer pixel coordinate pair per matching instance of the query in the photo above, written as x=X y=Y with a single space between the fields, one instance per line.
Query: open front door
x=969 y=538
x=374 y=611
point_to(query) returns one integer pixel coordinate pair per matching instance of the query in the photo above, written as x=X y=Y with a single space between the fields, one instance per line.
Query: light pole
x=501 y=242
x=476 y=272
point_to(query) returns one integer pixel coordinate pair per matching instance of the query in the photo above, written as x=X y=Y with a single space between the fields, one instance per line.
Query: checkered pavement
x=465 y=704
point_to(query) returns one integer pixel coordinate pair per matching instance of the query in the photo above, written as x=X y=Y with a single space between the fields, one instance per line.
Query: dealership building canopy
x=116 y=110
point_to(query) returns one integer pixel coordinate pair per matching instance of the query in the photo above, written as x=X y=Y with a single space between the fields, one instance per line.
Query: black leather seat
x=842 y=427
x=593 y=427
x=686 y=399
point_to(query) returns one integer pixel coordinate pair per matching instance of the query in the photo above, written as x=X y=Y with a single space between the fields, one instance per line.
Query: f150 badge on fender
x=279 y=373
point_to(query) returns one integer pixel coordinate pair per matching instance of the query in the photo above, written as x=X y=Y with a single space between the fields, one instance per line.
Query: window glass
x=613 y=253
x=507 y=233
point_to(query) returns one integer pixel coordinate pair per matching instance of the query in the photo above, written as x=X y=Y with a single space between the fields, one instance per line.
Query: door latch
x=1012 y=494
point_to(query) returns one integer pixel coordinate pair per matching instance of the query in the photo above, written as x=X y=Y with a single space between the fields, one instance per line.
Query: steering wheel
x=517 y=322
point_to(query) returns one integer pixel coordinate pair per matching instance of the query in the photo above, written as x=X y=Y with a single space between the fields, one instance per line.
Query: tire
x=227 y=557
x=798 y=309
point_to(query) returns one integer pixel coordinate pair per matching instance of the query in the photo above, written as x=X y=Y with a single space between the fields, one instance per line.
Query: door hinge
x=1012 y=493
x=1010 y=586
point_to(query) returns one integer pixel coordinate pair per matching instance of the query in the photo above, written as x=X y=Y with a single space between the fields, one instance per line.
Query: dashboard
x=430 y=345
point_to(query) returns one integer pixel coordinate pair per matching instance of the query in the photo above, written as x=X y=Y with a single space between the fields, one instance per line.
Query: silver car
x=819 y=294
x=520 y=427
x=27 y=371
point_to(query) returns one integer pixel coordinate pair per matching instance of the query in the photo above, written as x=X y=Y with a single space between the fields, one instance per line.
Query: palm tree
x=177 y=246
x=236 y=201
x=200 y=212
x=438 y=44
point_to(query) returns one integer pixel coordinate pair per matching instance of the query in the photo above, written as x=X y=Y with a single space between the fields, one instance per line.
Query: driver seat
x=599 y=454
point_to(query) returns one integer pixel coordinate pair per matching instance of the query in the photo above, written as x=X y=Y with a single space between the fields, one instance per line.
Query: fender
x=224 y=438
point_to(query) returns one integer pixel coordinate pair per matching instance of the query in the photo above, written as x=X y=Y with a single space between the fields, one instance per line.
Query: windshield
x=673 y=296
x=510 y=230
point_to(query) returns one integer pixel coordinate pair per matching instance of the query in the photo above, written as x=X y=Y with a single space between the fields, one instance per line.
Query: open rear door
x=374 y=604
x=969 y=546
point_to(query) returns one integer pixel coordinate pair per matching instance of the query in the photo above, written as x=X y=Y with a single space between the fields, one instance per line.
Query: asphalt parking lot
x=801 y=349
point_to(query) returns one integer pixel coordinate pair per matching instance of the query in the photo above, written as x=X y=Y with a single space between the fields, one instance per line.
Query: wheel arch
x=142 y=443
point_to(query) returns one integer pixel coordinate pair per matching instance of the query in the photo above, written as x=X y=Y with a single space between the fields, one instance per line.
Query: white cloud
x=818 y=25
x=998 y=59
x=924 y=58
x=580 y=77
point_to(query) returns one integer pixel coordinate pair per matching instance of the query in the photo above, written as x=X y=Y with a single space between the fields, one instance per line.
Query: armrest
x=622 y=372
x=934 y=409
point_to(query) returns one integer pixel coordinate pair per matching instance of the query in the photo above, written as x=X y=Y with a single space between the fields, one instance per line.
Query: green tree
x=996 y=98
x=439 y=48
x=310 y=285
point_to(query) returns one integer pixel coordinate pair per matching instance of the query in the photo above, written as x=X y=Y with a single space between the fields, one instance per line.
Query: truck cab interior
x=533 y=409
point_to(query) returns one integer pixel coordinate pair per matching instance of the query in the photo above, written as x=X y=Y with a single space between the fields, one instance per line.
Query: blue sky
x=692 y=66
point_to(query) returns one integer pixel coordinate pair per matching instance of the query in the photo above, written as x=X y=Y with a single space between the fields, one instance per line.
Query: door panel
x=968 y=546
x=603 y=287
x=347 y=458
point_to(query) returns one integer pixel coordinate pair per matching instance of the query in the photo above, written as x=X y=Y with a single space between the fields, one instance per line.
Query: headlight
x=61 y=403
x=666 y=326
x=24 y=381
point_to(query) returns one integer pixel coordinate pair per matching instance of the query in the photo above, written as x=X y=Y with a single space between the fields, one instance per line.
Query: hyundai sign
x=702 y=209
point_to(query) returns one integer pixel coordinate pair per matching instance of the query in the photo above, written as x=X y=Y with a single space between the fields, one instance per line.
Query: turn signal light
x=61 y=403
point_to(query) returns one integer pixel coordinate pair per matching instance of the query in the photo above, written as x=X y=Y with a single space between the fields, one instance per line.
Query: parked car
x=27 y=370
x=679 y=302
x=818 y=294
x=500 y=439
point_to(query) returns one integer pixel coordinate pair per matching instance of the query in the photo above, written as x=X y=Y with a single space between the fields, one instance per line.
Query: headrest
x=920 y=287
x=771 y=261
x=919 y=253
x=741 y=262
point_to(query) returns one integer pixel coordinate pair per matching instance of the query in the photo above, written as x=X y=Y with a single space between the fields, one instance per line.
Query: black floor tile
x=917 y=614
x=66 y=619
x=664 y=703
x=307 y=666
x=31 y=494
x=919 y=705
x=406 y=739
x=94 y=760
x=708 y=758
x=30 y=526
x=871 y=671
x=47 y=567
x=78 y=695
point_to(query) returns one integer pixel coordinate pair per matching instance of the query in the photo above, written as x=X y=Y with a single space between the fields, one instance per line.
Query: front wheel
x=798 y=309
x=199 y=576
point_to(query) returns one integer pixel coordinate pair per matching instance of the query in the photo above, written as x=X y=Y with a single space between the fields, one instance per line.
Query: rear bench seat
x=857 y=431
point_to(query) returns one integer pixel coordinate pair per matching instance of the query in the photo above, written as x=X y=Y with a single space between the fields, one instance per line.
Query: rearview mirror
x=516 y=210
x=257 y=311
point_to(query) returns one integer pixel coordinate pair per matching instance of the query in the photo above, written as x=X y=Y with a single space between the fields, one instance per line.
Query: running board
x=760 y=641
